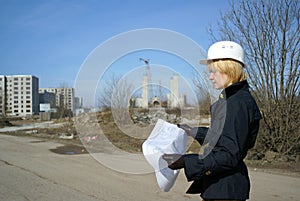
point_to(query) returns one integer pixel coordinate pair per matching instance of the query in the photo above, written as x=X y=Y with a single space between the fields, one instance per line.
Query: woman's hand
x=190 y=131
x=175 y=161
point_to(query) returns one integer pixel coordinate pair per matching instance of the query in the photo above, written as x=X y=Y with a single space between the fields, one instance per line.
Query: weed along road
x=30 y=169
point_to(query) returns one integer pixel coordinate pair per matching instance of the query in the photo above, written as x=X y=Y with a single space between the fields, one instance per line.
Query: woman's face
x=218 y=79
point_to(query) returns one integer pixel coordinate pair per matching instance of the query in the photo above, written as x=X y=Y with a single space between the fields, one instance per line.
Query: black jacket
x=222 y=174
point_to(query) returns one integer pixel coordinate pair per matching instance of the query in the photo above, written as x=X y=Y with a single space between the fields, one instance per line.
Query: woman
x=219 y=173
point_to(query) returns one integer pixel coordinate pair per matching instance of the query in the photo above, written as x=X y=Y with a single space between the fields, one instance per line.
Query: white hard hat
x=224 y=50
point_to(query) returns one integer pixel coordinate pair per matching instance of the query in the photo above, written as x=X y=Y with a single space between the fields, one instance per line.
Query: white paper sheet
x=165 y=138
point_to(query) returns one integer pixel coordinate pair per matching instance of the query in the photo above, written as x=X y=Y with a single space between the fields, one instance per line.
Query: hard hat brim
x=207 y=61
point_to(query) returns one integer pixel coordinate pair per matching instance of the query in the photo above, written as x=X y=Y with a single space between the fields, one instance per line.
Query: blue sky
x=52 y=38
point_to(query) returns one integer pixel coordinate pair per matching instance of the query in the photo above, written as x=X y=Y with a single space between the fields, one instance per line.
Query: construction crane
x=147 y=66
x=147 y=61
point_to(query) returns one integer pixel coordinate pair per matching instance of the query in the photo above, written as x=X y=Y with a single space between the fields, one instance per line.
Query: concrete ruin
x=147 y=100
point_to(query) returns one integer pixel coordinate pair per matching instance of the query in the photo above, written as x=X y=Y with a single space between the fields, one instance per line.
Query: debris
x=31 y=132
x=90 y=138
x=66 y=136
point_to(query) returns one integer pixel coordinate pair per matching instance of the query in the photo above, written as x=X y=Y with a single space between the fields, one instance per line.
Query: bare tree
x=269 y=32
x=116 y=97
x=64 y=85
x=203 y=95
x=115 y=93
x=107 y=90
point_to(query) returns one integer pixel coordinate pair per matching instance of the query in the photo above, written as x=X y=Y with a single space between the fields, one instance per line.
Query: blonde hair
x=233 y=69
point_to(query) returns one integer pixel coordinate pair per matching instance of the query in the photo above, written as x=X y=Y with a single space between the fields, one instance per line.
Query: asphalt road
x=29 y=170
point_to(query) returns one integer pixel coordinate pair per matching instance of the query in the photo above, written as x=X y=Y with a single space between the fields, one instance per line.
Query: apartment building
x=19 y=95
x=2 y=94
x=64 y=96
x=78 y=102
x=47 y=98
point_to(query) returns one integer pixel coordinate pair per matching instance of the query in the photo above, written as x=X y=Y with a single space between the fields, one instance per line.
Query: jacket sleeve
x=200 y=134
x=230 y=149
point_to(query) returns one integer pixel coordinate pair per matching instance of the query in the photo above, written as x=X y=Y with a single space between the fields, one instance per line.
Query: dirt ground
x=75 y=146
x=41 y=169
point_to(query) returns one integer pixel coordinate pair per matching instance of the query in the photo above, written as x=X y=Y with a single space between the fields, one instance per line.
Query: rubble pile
x=152 y=117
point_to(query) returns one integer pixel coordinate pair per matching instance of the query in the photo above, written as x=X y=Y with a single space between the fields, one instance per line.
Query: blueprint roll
x=165 y=138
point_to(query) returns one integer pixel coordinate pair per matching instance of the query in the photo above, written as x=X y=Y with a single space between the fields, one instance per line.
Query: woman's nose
x=211 y=77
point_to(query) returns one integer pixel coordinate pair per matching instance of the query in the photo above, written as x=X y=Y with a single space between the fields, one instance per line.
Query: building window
x=27 y=110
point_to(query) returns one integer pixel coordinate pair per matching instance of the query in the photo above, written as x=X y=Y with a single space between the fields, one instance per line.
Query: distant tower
x=174 y=96
x=145 y=92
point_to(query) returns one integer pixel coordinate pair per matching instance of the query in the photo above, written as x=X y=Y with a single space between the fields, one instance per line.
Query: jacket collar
x=232 y=89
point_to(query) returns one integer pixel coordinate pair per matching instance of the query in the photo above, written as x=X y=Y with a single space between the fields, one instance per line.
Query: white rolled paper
x=165 y=138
